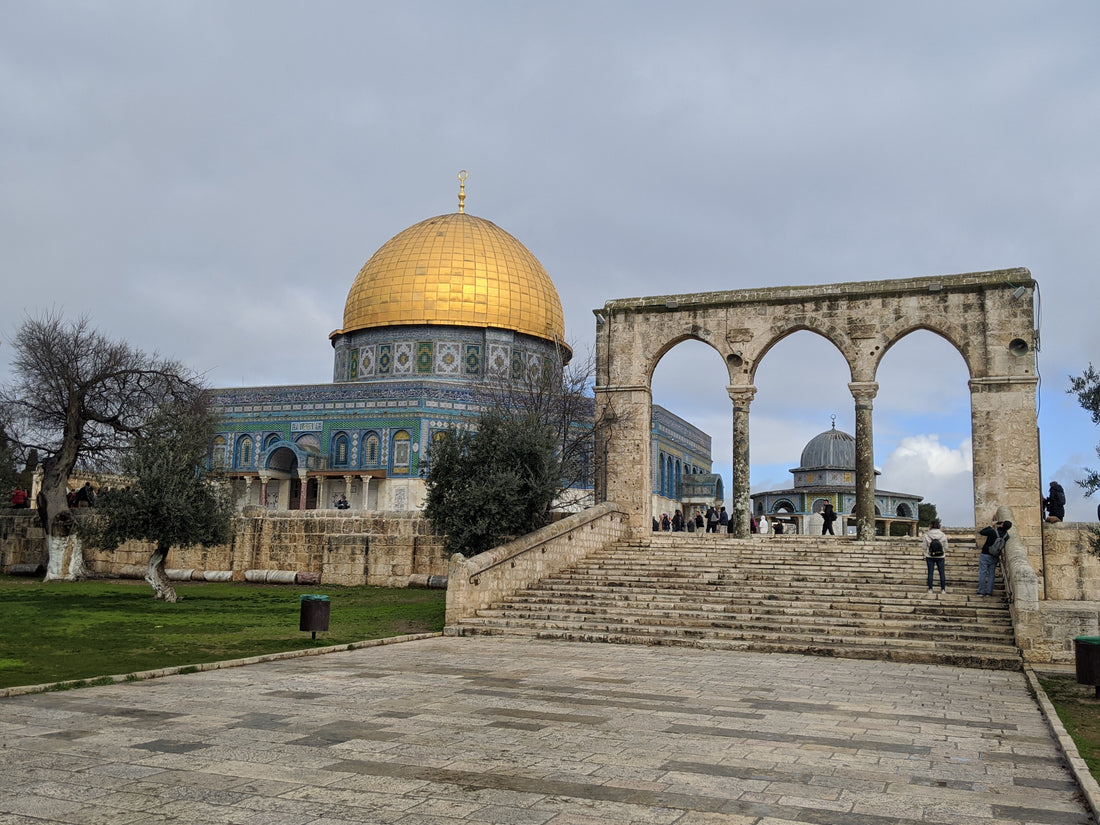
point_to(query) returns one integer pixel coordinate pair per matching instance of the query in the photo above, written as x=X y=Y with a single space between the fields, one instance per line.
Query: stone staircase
x=791 y=594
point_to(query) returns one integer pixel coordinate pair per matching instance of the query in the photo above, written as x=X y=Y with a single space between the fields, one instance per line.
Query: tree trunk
x=66 y=553
x=158 y=579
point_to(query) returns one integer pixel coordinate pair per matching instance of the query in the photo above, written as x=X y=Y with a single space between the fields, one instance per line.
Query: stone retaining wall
x=1049 y=612
x=386 y=549
x=476 y=583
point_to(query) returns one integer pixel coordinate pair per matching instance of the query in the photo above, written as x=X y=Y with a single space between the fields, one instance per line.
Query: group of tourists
x=711 y=520
x=995 y=535
x=935 y=554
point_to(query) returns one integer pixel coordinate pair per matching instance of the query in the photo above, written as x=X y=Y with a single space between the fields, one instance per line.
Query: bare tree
x=556 y=396
x=80 y=398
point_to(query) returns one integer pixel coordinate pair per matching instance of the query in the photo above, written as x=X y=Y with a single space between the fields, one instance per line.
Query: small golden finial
x=462 y=191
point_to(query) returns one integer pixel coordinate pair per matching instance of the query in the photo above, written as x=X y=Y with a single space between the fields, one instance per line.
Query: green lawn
x=59 y=631
x=1079 y=710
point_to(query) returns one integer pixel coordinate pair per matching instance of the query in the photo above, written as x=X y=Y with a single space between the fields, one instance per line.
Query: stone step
x=688 y=621
x=794 y=594
x=991 y=659
x=937 y=610
x=959 y=593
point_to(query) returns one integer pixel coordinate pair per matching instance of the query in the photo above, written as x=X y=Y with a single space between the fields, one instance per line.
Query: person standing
x=987 y=561
x=1055 y=503
x=935 y=554
x=712 y=520
x=723 y=520
x=677 y=522
x=828 y=516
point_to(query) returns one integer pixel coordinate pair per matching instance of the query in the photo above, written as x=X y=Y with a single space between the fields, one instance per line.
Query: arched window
x=904 y=511
x=340 y=450
x=270 y=440
x=244 y=452
x=437 y=438
x=371 y=451
x=217 y=457
x=401 y=448
x=661 y=463
x=679 y=479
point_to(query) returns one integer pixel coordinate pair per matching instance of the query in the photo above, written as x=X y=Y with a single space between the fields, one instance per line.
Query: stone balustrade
x=478 y=582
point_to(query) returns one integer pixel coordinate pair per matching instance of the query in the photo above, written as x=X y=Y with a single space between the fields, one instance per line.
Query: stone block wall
x=1049 y=611
x=350 y=548
x=22 y=540
x=476 y=583
x=1072 y=571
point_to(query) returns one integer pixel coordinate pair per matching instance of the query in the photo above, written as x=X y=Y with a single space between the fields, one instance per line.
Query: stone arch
x=652 y=360
x=951 y=333
x=987 y=316
x=827 y=331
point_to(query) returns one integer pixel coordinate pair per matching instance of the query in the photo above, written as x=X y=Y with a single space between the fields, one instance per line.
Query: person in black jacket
x=987 y=562
x=1055 y=503
x=828 y=517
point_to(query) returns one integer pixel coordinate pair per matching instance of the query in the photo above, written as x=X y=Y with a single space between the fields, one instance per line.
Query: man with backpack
x=995 y=537
x=935 y=553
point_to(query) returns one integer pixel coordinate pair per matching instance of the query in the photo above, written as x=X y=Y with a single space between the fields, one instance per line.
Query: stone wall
x=1072 y=571
x=386 y=549
x=476 y=583
x=1049 y=611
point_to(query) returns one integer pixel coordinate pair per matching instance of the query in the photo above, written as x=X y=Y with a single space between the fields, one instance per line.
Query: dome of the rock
x=455 y=270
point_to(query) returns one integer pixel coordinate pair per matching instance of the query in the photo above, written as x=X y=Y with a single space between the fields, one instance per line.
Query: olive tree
x=170 y=499
x=557 y=398
x=498 y=481
x=79 y=399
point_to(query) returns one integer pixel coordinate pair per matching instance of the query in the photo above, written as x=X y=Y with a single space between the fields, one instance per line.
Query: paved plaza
x=484 y=730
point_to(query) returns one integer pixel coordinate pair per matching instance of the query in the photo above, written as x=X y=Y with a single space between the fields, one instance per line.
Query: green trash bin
x=1086 y=650
x=314 y=613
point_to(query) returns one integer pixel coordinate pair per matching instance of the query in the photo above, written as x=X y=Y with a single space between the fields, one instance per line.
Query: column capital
x=741 y=395
x=863 y=392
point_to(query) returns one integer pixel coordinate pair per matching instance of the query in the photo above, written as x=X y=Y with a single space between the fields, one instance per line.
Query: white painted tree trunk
x=66 y=558
x=158 y=579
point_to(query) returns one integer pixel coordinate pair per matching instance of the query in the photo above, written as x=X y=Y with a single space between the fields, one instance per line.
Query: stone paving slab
x=478 y=731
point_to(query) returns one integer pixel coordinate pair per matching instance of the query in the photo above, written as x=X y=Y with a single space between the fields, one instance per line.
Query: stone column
x=740 y=503
x=864 y=393
x=623 y=452
x=264 y=478
x=303 y=478
x=366 y=491
x=248 y=489
x=1006 y=456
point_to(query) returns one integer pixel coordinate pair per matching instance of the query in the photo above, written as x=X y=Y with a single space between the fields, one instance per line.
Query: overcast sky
x=205 y=179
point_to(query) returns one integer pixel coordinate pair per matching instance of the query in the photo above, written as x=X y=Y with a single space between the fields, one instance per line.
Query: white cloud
x=942 y=474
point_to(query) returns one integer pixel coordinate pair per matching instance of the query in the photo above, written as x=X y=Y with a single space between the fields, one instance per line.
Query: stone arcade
x=987 y=316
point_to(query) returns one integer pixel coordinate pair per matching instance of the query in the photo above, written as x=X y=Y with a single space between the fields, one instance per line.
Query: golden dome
x=455 y=270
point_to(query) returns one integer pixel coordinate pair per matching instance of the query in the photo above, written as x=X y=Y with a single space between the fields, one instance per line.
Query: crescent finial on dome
x=462 y=191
